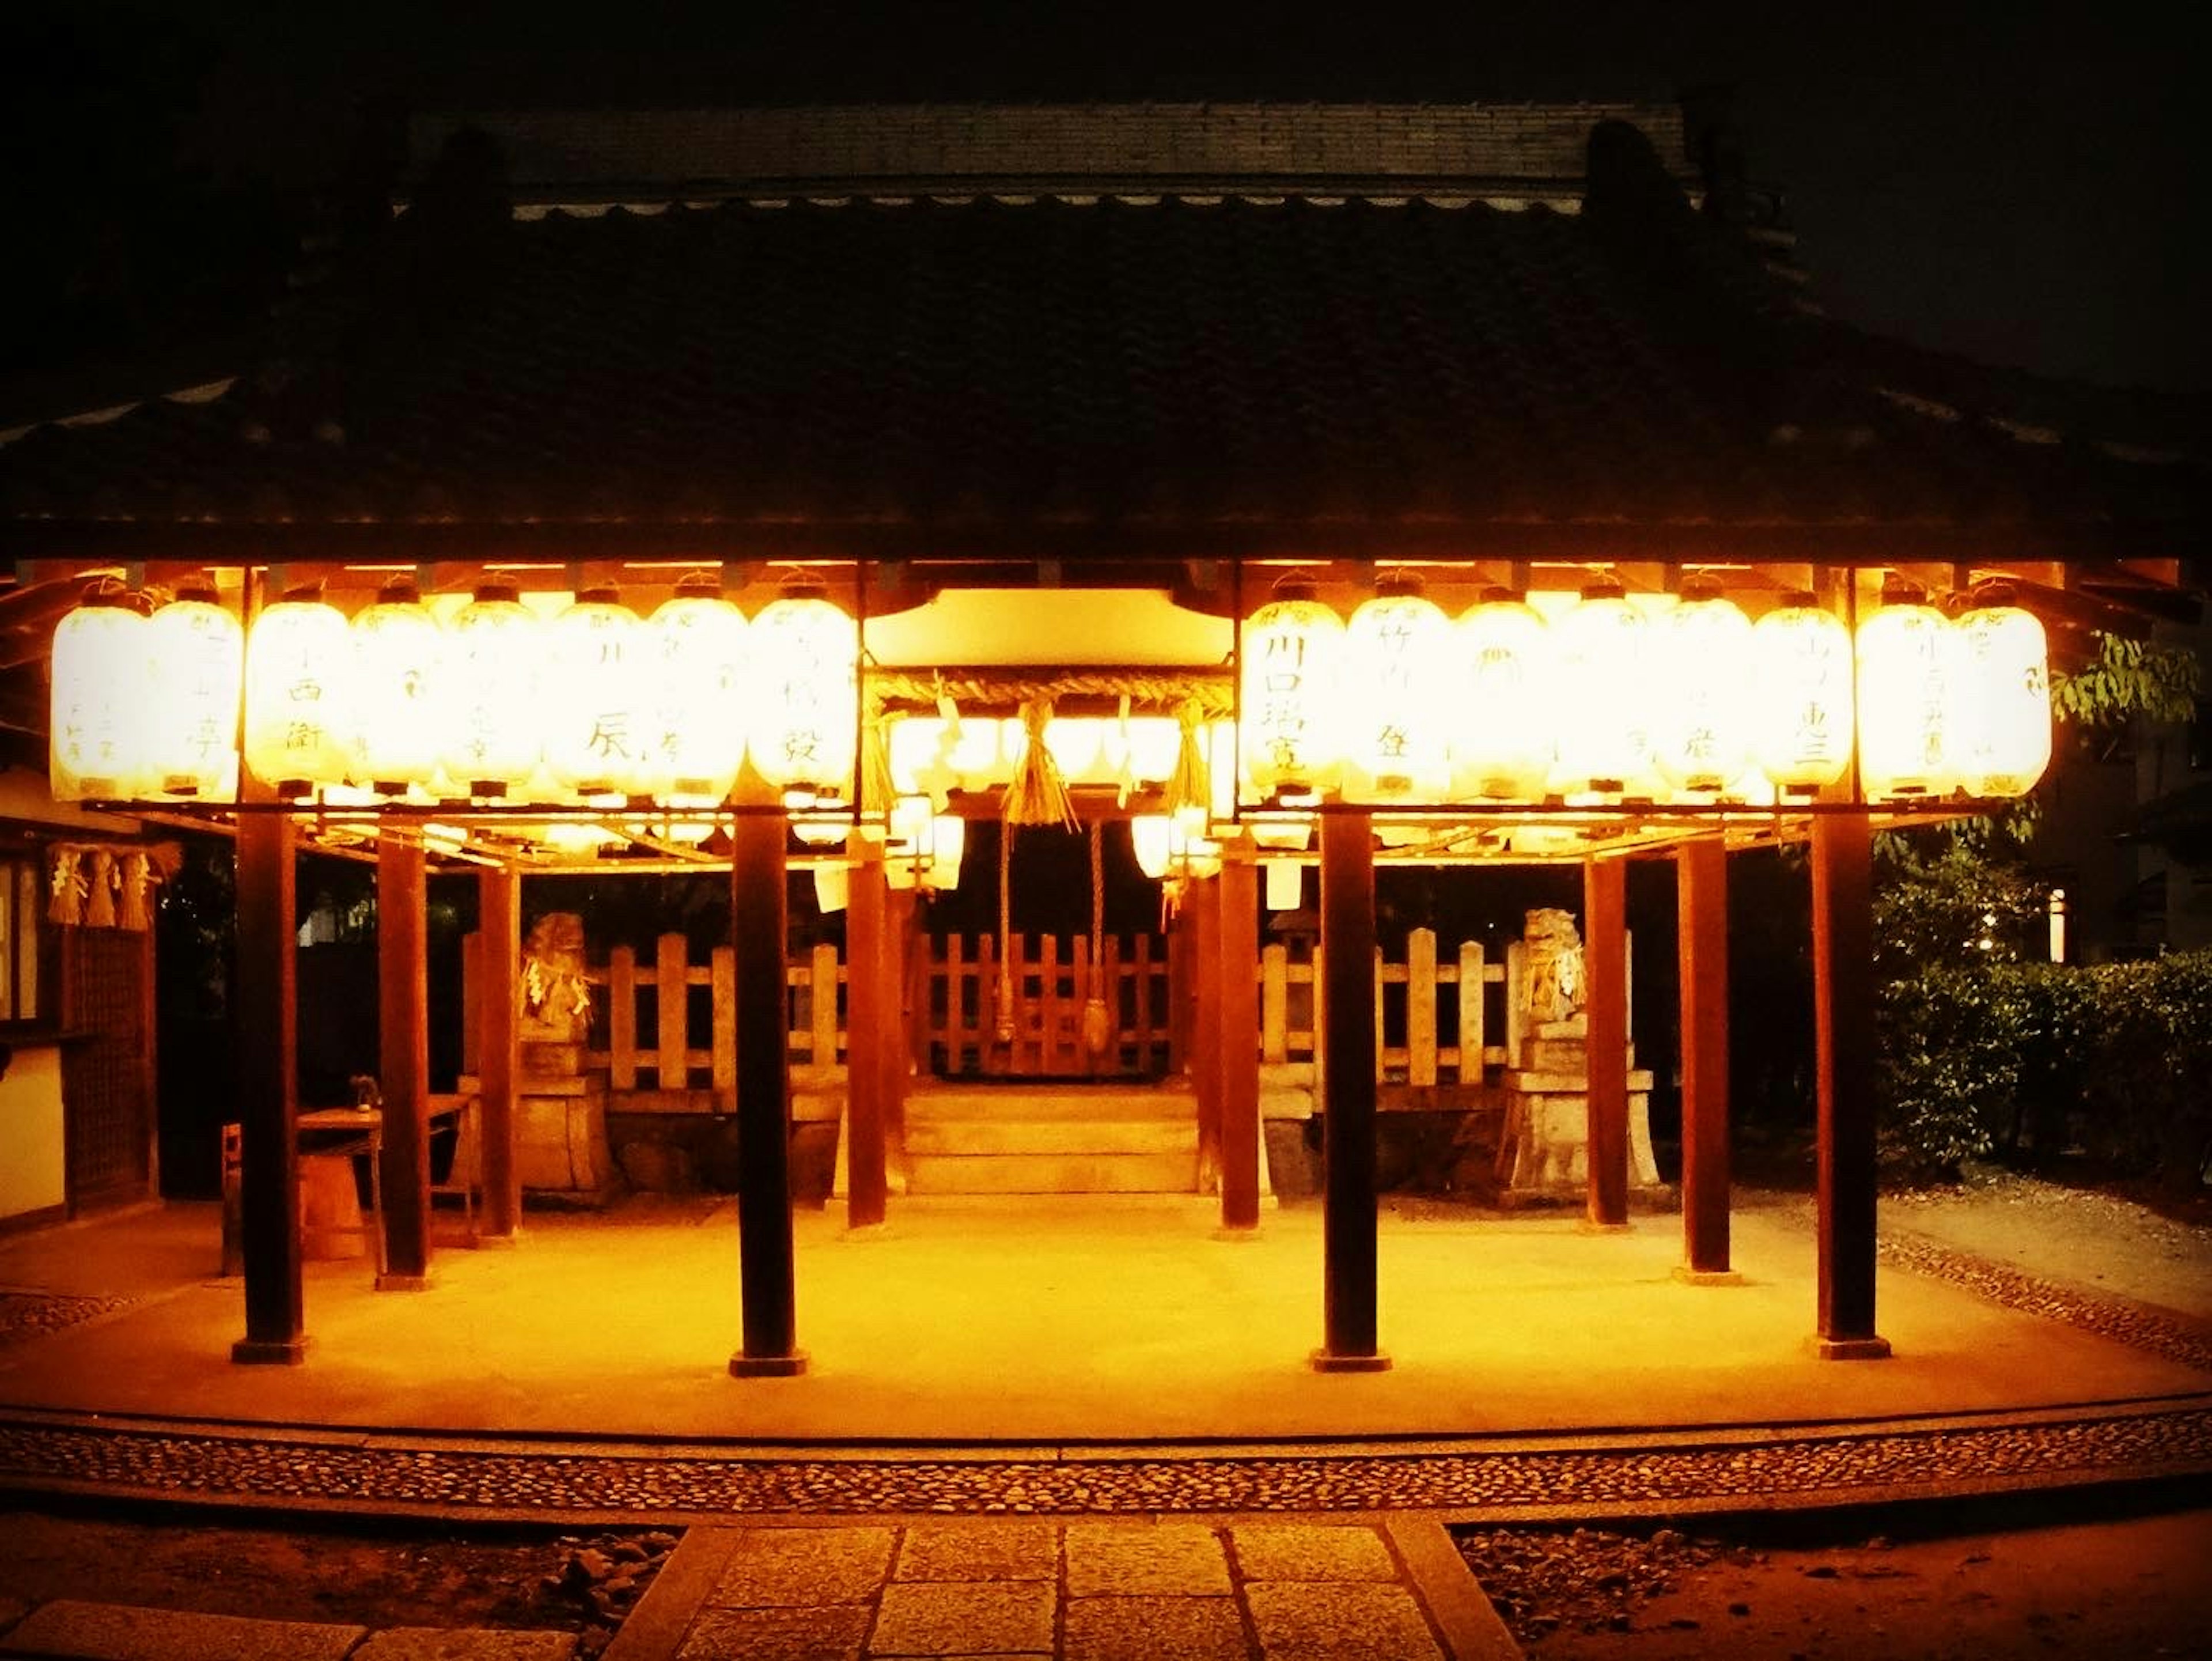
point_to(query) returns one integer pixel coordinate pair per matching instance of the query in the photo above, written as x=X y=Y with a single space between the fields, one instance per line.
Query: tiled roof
x=1223 y=370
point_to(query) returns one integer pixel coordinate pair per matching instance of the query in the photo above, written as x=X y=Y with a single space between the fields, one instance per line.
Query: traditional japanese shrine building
x=1047 y=400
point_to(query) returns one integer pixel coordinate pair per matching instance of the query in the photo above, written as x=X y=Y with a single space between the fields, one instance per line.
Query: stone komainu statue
x=1552 y=984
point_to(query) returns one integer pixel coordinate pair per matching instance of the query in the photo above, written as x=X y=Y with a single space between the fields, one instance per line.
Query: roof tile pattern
x=1054 y=363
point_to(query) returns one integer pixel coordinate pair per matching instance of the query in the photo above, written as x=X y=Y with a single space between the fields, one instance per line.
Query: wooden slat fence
x=1441 y=1017
x=1052 y=986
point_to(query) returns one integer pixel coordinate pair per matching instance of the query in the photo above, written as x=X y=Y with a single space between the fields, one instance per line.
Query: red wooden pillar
x=403 y=1068
x=499 y=972
x=869 y=1019
x=1201 y=914
x=1348 y=1219
x=1239 y=1040
x=1605 y=975
x=267 y=1020
x=1701 y=908
x=1842 y=992
x=759 y=925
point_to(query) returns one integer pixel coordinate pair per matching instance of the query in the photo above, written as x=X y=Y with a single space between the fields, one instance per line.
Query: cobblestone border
x=2012 y=1288
x=1839 y=1466
x=28 y=1315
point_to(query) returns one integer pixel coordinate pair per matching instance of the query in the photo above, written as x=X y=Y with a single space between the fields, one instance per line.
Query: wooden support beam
x=499 y=964
x=1842 y=992
x=896 y=963
x=1701 y=907
x=869 y=1018
x=1201 y=914
x=403 y=1068
x=1239 y=1041
x=266 y=1017
x=1348 y=1220
x=1605 y=974
x=759 y=925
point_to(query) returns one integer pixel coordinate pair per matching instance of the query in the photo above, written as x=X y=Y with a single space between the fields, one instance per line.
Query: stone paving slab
x=465 y=1643
x=1318 y=1551
x=1124 y=1591
x=1315 y=1621
x=1144 y=1628
x=116 y=1631
x=953 y=1617
x=831 y=1631
x=1134 y=1559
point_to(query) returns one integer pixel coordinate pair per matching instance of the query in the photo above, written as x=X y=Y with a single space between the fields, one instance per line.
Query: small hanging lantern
x=1907 y=662
x=2002 y=699
x=299 y=711
x=1501 y=742
x=1701 y=739
x=400 y=718
x=494 y=651
x=1293 y=651
x=197 y=651
x=1604 y=686
x=807 y=694
x=101 y=691
x=1396 y=691
x=1800 y=694
x=700 y=724
x=948 y=844
x=603 y=699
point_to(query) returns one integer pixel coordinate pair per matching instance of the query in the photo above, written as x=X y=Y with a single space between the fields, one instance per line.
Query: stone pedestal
x=1545 y=1151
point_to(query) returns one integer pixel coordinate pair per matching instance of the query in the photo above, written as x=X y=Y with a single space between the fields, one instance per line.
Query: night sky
x=2017 y=183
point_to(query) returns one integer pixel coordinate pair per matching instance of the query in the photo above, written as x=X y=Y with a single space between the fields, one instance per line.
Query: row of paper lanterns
x=595 y=703
x=1606 y=699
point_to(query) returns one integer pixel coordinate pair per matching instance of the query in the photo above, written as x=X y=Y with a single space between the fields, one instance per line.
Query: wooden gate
x=1030 y=1015
x=107 y=1072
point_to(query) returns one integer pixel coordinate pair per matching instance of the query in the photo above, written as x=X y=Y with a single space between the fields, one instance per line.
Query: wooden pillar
x=759 y=924
x=266 y=1025
x=403 y=1068
x=1605 y=978
x=900 y=961
x=1701 y=907
x=1239 y=1045
x=1201 y=914
x=499 y=972
x=1843 y=993
x=1348 y=1220
x=869 y=1019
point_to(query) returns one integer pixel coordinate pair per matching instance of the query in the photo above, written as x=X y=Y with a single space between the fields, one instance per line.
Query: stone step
x=986 y=1104
x=1529 y=1081
x=932 y=1136
x=1053 y=1173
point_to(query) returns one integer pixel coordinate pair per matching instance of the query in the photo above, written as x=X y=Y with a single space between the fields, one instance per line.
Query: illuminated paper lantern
x=197 y=651
x=948 y=845
x=1701 y=738
x=299 y=714
x=701 y=725
x=1604 y=694
x=1501 y=737
x=1800 y=694
x=492 y=680
x=2002 y=697
x=400 y=728
x=602 y=700
x=1292 y=651
x=101 y=691
x=1907 y=663
x=1396 y=695
x=806 y=695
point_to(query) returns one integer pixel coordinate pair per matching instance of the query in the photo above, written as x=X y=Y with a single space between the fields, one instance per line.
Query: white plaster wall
x=31 y=1147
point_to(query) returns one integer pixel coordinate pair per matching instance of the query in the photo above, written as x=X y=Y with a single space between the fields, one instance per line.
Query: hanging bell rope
x=1097 y=1028
x=1189 y=786
x=1006 y=1010
x=1037 y=794
x=877 y=789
